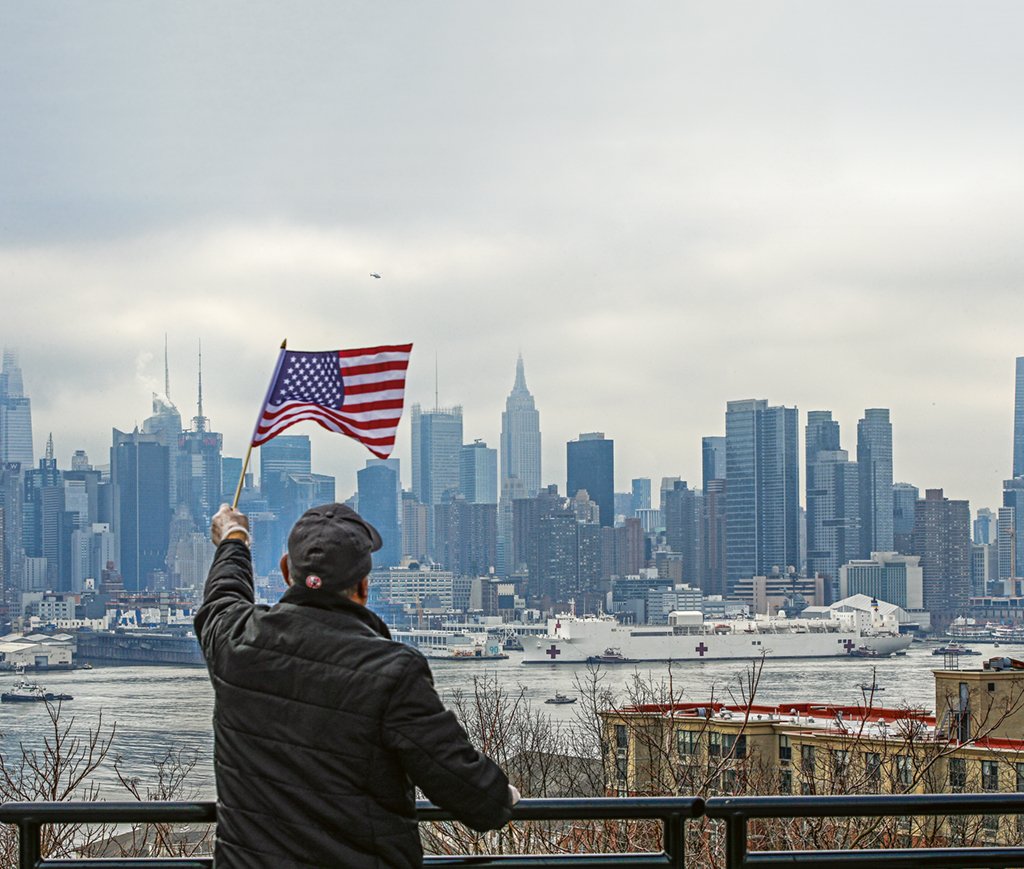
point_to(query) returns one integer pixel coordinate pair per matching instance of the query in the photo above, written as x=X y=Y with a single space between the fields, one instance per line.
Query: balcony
x=729 y=816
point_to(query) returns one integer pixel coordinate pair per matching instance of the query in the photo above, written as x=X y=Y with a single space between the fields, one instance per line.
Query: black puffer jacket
x=322 y=726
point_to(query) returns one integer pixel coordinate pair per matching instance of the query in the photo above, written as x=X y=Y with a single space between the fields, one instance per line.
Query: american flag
x=358 y=393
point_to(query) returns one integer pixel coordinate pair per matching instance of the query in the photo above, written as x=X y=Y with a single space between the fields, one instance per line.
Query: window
x=621 y=755
x=989 y=776
x=904 y=770
x=962 y=717
x=873 y=770
x=990 y=783
x=786 y=781
x=840 y=763
x=807 y=759
x=715 y=743
x=734 y=746
x=686 y=741
x=957 y=775
x=729 y=780
x=1020 y=790
x=621 y=737
x=785 y=749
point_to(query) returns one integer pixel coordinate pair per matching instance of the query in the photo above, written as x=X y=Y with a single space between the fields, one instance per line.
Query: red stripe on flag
x=381 y=386
x=369 y=351
x=291 y=410
x=374 y=368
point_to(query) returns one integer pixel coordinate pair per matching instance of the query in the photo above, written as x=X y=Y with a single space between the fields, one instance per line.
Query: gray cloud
x=664 y=206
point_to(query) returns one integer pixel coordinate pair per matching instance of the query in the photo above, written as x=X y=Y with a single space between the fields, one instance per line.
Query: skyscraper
x=904 y=503
x=478 y=473
x=1013 y=497
x=380 y=504
x=165 y=426
x=436 y=444
x=682 y=519
x=284 y=455
x=874 y=465
x=713 y=459
x=199 y=466
x=1018 y=420
x=11 y=503
x=1006 y=535
x=466 y=535
x=762 y=489
x=640 y=495
x=942 y=537
x=15 y=415
x=140 y=480
x=520 y=436
x=591 y=466
x=833 y=504
x=713 y=514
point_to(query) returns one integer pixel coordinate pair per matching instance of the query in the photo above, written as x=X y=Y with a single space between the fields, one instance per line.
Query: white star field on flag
x=312 y=377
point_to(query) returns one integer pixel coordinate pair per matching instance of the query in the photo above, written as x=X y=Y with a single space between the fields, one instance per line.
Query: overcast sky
x=664 y=206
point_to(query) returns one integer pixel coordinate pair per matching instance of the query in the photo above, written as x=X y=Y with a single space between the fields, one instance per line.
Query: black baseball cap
x=330 y=547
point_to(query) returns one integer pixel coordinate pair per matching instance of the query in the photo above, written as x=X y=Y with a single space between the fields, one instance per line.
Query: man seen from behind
x=324 y=726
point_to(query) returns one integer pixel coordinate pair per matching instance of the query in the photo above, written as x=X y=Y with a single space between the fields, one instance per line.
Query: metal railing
x=673 y=812
x=736 y=812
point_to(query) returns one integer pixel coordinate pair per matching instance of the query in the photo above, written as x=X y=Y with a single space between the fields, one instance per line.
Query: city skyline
x=343 y=458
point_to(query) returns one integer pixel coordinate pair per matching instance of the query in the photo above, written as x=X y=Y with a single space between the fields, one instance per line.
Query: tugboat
x=560 y=699
x=29 y=692
x=611 y=656
x=864 y=652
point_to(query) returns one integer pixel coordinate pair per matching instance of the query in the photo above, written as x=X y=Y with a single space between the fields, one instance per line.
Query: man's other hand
x=229 y=524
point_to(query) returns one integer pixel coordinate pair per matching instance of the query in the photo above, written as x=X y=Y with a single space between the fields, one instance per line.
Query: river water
x=157 y=709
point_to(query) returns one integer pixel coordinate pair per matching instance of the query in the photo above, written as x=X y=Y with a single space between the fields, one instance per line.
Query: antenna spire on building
x=437 y=403
x=520 y=384
x=200 y=421
x=167 y=372
x=49 y=448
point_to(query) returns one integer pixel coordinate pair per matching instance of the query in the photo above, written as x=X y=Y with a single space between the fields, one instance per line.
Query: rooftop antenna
x=49 y=448
x=437 y=404
x=167 y=372
x=200 y=420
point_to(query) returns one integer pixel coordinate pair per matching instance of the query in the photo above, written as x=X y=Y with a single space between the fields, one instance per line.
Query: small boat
x=29 y=692
x=476 y=653
x=874 y=688
x=954 y=649
x=560 y=699
x=611 y=656
x=864 y=652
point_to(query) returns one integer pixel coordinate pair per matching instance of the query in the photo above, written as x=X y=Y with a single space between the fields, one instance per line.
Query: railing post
x=735 y=840
x=675 y=839
x=29 y=844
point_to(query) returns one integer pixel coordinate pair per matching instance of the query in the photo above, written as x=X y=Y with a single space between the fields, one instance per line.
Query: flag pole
x=248 y=452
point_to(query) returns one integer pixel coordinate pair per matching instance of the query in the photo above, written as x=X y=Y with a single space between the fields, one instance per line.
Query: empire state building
x=520 y=438
x=520 y=463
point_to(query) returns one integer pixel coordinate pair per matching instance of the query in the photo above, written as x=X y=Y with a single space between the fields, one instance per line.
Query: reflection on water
x=161 y=708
